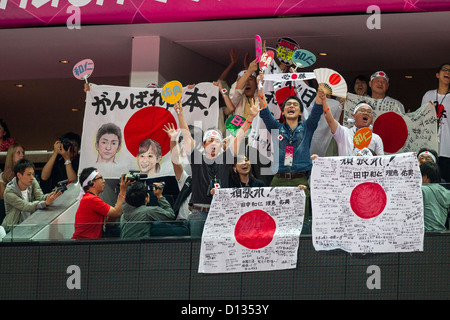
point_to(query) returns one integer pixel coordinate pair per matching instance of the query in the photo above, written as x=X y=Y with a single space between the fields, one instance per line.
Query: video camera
x=154 y=186
x=135 y=176
x=62 y=185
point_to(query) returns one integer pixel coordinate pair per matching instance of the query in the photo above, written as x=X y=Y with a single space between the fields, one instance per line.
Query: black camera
x=154 y=186
x=66 y=144
x=62 y=185
x=135 y=176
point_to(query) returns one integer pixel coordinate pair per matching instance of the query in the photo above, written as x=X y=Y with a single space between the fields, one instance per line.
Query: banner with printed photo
x=400 y=132
x=252 y=229
x=123 y=127
x=367 y=204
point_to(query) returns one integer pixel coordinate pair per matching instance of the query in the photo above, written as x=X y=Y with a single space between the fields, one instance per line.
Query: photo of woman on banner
x=149 y=157
x=108 y=143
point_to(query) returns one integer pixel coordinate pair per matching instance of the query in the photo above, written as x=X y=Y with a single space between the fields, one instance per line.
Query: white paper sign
x=252 y=229
x=118 y=120
x=367 y=204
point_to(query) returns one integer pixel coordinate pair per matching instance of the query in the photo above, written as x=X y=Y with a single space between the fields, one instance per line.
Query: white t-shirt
x=400 y=105
x=184 y=211
x=443 y=117
x=344 y=140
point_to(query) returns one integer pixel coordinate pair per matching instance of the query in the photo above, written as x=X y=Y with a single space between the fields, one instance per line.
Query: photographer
x=92 y=211
x=134 y=222
x=63 y=163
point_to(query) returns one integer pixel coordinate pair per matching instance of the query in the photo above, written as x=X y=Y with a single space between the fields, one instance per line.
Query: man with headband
x=379 y=84
x=93 y=210
x=210 y=166
x=363 y=117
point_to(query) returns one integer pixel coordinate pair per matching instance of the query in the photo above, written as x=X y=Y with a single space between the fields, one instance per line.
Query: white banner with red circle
x=120 y=122
x=367 y=204
x=252 y=229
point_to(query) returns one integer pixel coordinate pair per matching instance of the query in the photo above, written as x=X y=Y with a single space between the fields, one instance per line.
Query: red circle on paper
x=392 y=129
x=294 y=76
x=368 y=200
x=148 y=123
x=255 y=229
x=334 y=79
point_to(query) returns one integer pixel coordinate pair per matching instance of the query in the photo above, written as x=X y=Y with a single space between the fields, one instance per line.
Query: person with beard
x=363 y=117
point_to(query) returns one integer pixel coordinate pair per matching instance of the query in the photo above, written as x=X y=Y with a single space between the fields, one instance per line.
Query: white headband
x=428 y=153
x=212 y=133
x=85 y=183
x=359 y=105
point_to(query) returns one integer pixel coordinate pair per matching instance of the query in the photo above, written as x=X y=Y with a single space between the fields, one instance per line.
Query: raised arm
x=188 y=140
x=172 y=133
x=321 y=98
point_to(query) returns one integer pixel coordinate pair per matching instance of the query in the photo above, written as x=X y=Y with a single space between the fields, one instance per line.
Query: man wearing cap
x=363 y=117
x=379 y=83
x=93 y=210
x=210 y=166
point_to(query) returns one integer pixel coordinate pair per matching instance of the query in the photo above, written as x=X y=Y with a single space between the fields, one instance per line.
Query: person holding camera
x=63 y=163
x=23 y=196
x=92 y=211
x=135 y=220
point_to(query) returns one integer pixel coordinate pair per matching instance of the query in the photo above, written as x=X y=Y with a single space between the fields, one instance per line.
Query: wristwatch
x=67 y=162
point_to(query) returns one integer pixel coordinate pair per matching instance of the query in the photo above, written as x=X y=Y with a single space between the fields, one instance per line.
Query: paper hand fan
x=331 y=81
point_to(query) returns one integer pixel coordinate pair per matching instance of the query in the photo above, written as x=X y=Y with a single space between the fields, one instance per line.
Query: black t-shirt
x=207 y=172
x=58 y=173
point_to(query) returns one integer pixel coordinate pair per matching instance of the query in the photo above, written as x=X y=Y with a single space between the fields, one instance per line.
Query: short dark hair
x=433 y=152
x=22 y=165
x=136 y=194
x=431 y=171
x=85 y=174
x=71 y=136
x=290 y=98
x=440 y=67
x=5 y=128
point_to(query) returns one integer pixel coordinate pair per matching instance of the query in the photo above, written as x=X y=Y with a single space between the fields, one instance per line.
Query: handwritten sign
x=303 y=58
x=367 y=204
x=234 y=123
x=83 y=69
x=252 y=229
x=172 y=91
x=258 y=47
x=362 y=138
x=266 y=59
x=286 y=48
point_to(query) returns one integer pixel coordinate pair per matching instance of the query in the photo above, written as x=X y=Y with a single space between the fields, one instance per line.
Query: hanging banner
x=252 y=229
x=123 y=127
x=400 y=132
x=367 y=204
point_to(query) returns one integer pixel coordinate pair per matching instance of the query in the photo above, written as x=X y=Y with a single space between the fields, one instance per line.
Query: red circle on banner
x=392 y=129
x=294 y=76
x=148 y=123
x=368 y=200
x=255 y=229
x=334 y=79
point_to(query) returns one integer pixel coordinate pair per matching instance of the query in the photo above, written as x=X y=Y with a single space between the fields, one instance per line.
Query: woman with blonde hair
x=14 y=154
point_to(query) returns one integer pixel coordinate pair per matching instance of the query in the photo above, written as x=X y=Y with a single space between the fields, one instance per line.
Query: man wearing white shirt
x=379 y=83
x=440 y=97
x=363 y=117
